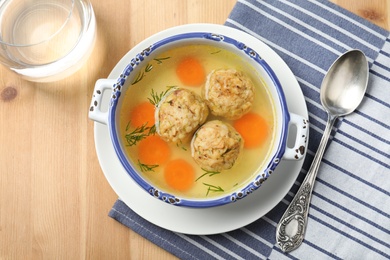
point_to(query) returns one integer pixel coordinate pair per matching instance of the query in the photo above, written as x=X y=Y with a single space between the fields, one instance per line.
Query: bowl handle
x=302 y=130
x=95 y=112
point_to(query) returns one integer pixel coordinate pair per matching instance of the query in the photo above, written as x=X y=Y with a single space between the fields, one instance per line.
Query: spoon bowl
x=342 y=91
x=344 y=85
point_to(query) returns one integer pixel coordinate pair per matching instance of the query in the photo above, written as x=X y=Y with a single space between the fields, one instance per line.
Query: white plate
x=205 y=221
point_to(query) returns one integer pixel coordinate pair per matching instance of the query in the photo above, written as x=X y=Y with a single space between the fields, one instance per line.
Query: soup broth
x=152 y=81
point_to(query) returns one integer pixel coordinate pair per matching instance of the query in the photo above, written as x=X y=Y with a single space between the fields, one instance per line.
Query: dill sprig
x=209 y=173
x=139 y=77
x=148 y=67
x=142 y=74
x=160 y=60
x=156 y=97
x=139 y=133
x=152 y=130
x=212 y=188
x=147 y=167
x=181 y=145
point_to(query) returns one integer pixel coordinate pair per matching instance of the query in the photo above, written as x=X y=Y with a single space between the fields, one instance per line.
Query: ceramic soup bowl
x=148 y=80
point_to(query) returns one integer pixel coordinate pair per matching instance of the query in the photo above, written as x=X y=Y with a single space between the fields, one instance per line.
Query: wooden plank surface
x=54 y=198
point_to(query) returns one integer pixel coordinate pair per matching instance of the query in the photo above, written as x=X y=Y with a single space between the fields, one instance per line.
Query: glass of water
x=46 y=40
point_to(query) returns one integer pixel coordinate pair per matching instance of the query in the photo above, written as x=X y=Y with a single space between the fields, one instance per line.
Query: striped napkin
x=349 y=216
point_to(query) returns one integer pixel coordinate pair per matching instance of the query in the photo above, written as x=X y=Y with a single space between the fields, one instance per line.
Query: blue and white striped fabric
x=350 y=210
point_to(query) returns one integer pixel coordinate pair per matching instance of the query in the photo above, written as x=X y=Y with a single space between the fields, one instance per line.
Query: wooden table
x=54 y=198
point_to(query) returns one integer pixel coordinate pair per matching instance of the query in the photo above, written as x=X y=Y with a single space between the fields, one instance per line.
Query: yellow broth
x=157 y=76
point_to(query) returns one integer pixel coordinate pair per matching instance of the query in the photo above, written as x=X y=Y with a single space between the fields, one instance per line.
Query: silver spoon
x=342 y=91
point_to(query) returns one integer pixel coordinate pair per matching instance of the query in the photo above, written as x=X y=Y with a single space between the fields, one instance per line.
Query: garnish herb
x=156 y=97
x=139 y=133
x=212 y=188
x=216 y=52
x=152 y=130
x=181 y=145
x=209 y=173
x=139 y=77
x=146 y=167
x=128 y=126
x=159 y=60
x=149 y=67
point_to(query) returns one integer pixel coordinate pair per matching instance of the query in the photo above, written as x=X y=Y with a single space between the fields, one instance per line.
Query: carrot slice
x=253 y=128
x=190 y=72
x=142 y=114
x=153 y=150
x=179 y=174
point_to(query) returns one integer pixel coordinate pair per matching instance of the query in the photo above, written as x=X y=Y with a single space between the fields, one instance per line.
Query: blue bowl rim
x=167 y=197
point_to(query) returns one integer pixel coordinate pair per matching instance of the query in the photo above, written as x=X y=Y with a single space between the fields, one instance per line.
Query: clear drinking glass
x=46 y=40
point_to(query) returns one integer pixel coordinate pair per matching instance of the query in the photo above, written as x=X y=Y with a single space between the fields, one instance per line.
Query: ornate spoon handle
x=291 y=228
